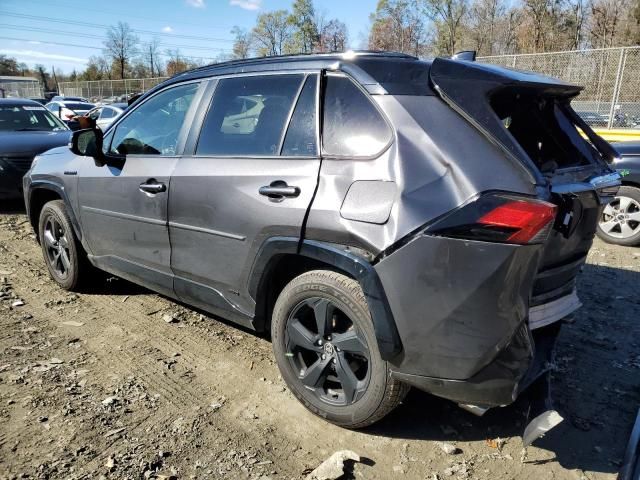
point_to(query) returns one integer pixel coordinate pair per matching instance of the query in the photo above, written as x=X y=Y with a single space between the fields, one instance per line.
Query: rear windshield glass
x=544 y=129
x=78 y=106
x=23 y=118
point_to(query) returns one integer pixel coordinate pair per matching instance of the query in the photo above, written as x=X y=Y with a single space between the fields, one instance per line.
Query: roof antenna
x=467 y=55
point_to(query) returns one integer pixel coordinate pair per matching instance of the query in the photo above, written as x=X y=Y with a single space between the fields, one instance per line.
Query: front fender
x=35 y=187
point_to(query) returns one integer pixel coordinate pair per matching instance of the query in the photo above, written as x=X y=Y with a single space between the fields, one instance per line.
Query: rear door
x=529 y=116
x=250 y=174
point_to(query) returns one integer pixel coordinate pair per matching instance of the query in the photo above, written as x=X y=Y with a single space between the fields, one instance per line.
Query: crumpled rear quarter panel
x=456 y=303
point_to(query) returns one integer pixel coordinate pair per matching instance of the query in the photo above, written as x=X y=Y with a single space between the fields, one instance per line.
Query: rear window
x=78 y=106
x=542 y=126
x=352 y=125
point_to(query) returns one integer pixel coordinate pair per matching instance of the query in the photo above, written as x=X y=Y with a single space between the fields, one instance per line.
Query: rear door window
x=248 y=115
x=352 y=125
x=301 y=135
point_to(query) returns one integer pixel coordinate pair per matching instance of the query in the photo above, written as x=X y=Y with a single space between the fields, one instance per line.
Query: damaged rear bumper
x=527 y=357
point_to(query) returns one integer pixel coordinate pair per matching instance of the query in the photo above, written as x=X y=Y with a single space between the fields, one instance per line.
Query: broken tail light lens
x=499 y=218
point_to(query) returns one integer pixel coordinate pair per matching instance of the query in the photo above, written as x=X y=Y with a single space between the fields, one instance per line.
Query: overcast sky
x=64 y=33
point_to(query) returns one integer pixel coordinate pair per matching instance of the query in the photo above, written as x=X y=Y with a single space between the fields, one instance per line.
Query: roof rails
x=347 y=55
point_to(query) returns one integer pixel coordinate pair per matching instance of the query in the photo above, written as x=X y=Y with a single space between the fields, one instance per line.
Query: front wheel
x=620 y=220
x=61 y=249
x=326 y=349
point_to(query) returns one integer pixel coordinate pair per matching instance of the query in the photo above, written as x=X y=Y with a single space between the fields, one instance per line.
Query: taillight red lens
x=499 y=217
x=528 y=219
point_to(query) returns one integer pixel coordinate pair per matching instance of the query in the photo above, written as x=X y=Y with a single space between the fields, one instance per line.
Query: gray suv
x=391 y=222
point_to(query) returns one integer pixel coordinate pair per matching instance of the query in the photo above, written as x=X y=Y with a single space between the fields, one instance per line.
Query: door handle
x=153 y=186
x=278 y=190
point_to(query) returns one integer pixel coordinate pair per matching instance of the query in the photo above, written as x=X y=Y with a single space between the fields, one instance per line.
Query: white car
x=104 y=115
x=66 y=110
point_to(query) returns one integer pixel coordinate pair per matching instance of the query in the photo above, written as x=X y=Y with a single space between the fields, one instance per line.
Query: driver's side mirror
x=88 y=143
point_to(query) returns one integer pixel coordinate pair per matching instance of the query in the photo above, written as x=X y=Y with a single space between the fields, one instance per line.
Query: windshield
x=21 y=118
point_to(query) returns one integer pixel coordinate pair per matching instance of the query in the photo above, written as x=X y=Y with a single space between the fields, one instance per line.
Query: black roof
x=17 y=102
x=376 y=71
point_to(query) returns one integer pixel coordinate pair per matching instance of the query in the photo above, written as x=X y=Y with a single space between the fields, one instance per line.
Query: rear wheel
x=620 y=220
x=61 y=250
x=326 y=350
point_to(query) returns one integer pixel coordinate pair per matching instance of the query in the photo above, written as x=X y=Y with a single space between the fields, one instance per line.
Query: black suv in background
x=392 y=222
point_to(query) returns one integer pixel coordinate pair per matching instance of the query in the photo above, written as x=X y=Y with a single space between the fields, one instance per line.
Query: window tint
x=301 y=135
x=107 y=113
x=153 y=128
x=248 y=115
x=352 y=125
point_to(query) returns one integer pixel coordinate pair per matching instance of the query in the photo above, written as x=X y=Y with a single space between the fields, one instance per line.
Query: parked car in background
x=392 y=222
x=103 y=115
x=66 y=110
x=620 y=221
x=26 y=130
x=63 y=98
x=594 y=119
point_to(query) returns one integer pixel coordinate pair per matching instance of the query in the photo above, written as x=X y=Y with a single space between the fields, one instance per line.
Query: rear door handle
x=153 y=186
x=278 y=190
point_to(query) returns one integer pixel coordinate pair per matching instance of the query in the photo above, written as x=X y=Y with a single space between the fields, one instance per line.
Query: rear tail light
x=499 y=218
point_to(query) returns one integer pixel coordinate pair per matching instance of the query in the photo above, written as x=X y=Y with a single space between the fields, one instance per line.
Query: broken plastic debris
x=333 y=467
x=540 y=425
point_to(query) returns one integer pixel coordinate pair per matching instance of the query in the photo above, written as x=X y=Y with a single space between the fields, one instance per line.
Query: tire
x=620 y=220
x=295 y=333
x=62 y=252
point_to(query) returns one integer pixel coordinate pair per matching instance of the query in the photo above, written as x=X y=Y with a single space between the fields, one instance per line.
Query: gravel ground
x=121 y=383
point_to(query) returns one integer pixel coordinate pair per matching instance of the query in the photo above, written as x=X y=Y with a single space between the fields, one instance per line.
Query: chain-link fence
x=610 y=77
x=108 y=91
x=24 y=87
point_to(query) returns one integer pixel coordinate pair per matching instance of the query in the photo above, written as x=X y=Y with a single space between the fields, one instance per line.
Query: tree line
x=497 y=27
x=419 y=27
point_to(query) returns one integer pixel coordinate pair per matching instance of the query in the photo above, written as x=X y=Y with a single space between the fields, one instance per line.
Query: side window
x=301 y=135
x=352 y=126
x=154 y=127
x=107 y=113
x=248 y=115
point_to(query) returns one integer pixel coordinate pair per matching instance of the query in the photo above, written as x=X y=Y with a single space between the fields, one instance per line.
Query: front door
x=123 y=206
x=250 y=175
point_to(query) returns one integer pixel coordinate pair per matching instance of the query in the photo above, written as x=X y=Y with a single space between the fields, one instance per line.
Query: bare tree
x=151 y=54
x=448 y=15
x=606 y=16
x=485 y=16
x=241 y=43
x=333 y=37
x=273 y=33
x=397 y=25
x=121 y=45
x=303 y=18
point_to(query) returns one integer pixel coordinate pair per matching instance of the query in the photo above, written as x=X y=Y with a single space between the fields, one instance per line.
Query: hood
x=32 y=143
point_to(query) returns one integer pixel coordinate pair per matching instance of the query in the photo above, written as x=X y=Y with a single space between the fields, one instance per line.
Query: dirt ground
x=122 y=383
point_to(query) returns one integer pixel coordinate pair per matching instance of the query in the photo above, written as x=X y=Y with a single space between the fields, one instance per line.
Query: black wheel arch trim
x=342 y=259
x=60 y=191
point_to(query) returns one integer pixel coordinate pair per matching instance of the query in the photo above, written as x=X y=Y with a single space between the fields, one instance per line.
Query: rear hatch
x=530 y=118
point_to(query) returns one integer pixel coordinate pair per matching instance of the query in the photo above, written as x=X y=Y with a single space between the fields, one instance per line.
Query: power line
x=128 y=15
x=98 y=48
x=86 y=35
x=97 y=25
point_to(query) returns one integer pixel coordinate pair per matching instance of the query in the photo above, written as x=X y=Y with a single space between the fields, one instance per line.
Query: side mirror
x=87 y=143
